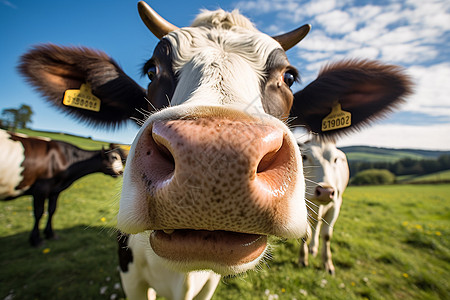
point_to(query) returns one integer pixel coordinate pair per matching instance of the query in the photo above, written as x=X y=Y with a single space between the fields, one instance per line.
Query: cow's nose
x=193 y=163
x=324 y=192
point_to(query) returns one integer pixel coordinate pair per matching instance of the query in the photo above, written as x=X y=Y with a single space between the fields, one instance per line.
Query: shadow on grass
x=81 y=264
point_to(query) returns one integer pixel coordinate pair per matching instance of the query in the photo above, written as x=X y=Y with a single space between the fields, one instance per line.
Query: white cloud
x=336 y=22
x=365 y=52
x=365 y=34
x=389 y=15
x=314 y=55
x=318 y=7
x=432 y=90
x=320 y=41
x=430 y=13
x=407 y=53
x=366 y=13
x=434 y=137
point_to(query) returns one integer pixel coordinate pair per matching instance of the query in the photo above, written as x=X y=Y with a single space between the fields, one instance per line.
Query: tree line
x=405 y=166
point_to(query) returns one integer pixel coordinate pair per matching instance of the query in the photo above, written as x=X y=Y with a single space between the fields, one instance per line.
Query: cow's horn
x=157 y=24
x=290 y=39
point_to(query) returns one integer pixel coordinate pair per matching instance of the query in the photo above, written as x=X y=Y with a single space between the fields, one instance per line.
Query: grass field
x=435 y=177
x=390 y=242
x=84 y=143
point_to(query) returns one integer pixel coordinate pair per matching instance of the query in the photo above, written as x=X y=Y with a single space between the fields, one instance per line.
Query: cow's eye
x=289 y=78
x=304 y=157
x=152 y=71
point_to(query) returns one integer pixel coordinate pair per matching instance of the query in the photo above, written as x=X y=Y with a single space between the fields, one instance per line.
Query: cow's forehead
x=253 y=46
x=217 y=66
x=320 y=149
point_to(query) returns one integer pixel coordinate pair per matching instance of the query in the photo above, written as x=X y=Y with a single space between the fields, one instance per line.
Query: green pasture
x=375 y=154
x=435 y=177
x=390 y=242
x=84 y=143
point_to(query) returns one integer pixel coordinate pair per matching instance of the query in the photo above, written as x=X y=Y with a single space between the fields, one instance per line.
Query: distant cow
x=216 y=172
x=326 y=174
x=44 y=168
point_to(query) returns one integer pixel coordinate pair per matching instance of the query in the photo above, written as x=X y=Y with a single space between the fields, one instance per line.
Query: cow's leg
x=326 y=233
x=209 y=288
x=48 y=231
x=136 y=288
x=303 y=256
x=38 y=206
x=315 y=218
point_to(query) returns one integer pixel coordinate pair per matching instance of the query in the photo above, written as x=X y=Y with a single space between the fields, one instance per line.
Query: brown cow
x=44 y=168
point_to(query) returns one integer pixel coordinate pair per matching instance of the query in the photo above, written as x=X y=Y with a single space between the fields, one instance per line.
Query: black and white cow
x=44 y=168
x=212 y=175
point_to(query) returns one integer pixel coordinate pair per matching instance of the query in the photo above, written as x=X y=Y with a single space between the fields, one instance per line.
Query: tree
x=9 y=117
x=24 y=115
x=16 y=118
x=373 y=176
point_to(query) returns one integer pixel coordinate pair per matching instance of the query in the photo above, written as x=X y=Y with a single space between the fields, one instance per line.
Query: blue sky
x=411 y=33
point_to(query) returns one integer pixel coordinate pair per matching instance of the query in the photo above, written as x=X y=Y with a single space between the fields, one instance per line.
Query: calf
x=210 y=177
x=44 y=168
x=326 y=175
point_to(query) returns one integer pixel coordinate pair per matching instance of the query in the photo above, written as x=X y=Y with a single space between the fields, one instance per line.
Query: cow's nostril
x=317 y=192
x=277 y=157
x=157 y=161
x=266 y=161
x=165 y=152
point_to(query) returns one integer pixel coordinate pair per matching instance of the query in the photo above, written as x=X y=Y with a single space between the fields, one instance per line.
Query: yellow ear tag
x=82 y=98
x=337 y=118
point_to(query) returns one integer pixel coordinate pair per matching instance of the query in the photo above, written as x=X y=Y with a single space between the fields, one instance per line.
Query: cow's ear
x=367 y=90
x=53 y=70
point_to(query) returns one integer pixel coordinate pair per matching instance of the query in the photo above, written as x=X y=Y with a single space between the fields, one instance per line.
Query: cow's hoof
x=52 y=237
x=330 y=271
x=313 y=252
x=36 y=243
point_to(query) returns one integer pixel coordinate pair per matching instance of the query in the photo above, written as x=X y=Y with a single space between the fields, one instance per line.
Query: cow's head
x=326 y=170
x=214 y=169
x=112 y=160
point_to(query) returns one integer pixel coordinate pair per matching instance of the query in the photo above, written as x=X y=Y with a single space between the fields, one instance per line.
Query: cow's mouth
x=217 y=247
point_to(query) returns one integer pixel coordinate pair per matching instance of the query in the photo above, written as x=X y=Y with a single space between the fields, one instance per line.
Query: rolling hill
x=375 y=154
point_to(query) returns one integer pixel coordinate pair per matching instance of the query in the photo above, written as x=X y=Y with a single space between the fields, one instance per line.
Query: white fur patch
x=12 y=155
x=220 y=67
x=150 y=271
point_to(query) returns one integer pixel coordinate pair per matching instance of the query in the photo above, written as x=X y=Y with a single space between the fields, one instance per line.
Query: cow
x=214 y=169
x=326 y=174
x=43 y=168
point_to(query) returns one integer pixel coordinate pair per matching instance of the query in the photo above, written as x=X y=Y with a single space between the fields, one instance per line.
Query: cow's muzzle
x=216 y=187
